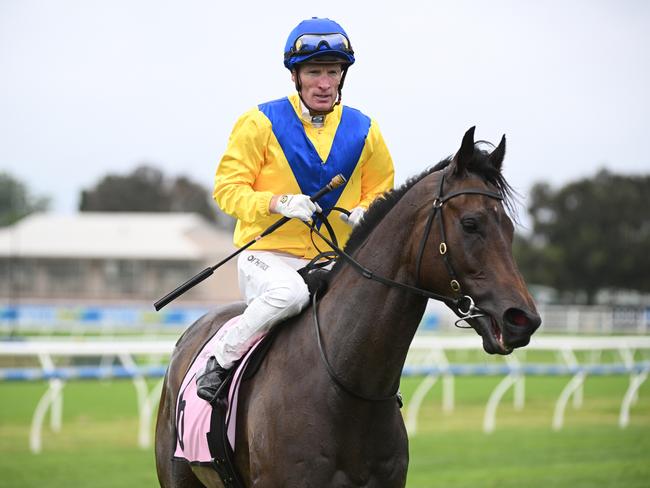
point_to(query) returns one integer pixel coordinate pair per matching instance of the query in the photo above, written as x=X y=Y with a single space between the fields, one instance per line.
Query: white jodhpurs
x=274 y=291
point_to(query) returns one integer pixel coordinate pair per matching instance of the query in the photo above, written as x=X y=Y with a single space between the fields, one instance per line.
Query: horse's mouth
x=492 y=333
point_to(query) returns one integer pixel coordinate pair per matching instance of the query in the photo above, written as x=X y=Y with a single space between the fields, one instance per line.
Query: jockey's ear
x=496 y=158
x=464 y=155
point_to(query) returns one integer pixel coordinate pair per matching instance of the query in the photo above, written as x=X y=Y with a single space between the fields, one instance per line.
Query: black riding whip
x=335 y=182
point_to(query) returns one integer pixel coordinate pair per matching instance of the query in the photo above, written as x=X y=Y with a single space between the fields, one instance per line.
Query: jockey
x=279 y=153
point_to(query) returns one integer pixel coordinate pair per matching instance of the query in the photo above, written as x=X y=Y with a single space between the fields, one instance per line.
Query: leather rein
x=463 y=305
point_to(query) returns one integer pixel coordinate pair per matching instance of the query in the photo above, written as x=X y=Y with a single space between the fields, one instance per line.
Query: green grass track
x=97 y=446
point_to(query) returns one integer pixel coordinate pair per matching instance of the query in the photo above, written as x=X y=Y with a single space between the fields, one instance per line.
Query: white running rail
x=425 y=348
x=427 y=358
x=52 y=399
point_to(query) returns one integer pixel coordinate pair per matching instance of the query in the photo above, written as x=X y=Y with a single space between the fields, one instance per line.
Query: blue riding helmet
x=317 y=38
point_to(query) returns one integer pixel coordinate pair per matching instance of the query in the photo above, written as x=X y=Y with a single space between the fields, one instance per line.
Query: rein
x=456 y=304
x=330 y=371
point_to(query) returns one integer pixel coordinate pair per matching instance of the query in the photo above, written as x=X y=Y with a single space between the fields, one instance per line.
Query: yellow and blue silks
x=310 y=171
x=273 y=151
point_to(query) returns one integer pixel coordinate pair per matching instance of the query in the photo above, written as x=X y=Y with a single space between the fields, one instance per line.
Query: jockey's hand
x=355 y=216
x=294 y=206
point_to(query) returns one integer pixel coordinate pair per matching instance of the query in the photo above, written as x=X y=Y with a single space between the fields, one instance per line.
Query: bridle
x=436 y=210
x=462 y=305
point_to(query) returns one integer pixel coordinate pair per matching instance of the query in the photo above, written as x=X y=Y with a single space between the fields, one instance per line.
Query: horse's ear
x=464 y=154
x=496 y=158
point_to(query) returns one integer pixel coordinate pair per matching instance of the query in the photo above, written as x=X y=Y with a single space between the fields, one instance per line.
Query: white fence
x=427 y=358
x=595 y=319
x=107 y=352
x=562 y=319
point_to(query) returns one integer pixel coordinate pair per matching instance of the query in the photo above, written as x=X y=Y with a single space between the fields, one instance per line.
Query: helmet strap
x=344 y=72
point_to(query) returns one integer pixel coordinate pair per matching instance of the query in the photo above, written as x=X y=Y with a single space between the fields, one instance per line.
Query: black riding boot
x=210 y=379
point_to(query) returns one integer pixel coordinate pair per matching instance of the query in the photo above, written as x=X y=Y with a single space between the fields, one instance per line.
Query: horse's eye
x=469 y=225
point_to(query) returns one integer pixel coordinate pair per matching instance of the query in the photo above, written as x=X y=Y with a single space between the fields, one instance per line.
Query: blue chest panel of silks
x=310 y=171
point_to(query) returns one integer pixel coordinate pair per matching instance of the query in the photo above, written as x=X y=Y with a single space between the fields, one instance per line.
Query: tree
x=16 y=201
x=589 y=235
x=147 y=190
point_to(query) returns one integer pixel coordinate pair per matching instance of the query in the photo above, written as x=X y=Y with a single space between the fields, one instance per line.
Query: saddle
x=224 y=408
x=205 y=433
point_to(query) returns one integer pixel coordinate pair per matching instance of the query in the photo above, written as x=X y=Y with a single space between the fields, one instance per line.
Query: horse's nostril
x=516 y=317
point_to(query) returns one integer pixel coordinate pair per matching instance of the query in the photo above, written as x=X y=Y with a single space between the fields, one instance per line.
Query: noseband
x=463 y=305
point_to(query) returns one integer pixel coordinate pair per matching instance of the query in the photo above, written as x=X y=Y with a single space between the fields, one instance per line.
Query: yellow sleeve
x=239 y=167
x=377 y=172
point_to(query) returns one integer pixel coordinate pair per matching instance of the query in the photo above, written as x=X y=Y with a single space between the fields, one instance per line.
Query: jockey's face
x=320 y=83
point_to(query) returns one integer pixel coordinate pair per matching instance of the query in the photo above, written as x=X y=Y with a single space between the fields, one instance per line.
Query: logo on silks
x=284 y=199
x=257 y=262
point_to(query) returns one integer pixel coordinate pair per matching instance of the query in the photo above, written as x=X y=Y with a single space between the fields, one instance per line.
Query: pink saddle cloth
x=193 y=413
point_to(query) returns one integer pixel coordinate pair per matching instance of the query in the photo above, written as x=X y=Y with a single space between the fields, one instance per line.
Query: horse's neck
x=368 y=326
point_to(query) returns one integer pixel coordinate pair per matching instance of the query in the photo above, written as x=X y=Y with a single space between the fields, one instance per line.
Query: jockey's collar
x=316 y=121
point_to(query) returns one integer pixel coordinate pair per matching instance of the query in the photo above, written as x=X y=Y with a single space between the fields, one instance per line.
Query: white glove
x=296 y=206
x=355 y=216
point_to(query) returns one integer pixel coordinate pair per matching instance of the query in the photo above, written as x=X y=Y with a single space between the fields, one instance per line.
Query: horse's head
x=465 y=250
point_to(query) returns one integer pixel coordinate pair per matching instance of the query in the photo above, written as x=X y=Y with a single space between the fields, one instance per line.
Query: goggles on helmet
x=312 y=43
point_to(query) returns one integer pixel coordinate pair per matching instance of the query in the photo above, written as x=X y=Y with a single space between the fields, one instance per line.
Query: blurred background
x=113 y=117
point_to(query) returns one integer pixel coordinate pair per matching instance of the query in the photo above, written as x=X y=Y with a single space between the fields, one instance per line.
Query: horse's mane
x=479 y=165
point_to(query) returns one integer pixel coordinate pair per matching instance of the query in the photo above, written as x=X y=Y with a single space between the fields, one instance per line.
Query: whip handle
x=193 y=281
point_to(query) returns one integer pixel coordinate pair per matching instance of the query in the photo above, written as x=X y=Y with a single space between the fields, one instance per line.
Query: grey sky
x=91 y=87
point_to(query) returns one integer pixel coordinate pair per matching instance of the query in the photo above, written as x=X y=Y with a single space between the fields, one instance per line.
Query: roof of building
x=116 y=235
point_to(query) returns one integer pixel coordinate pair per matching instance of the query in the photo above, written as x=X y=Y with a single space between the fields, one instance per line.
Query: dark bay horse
x=331 y=420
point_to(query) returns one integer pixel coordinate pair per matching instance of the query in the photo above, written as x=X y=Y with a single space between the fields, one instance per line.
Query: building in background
x=101 y=270
x=104 y=258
